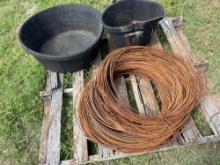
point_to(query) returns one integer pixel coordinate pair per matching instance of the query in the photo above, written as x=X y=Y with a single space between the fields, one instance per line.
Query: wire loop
x=107 y=121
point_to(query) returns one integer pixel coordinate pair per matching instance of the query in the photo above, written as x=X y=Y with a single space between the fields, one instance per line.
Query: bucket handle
x=130 y=35
x=138 y=33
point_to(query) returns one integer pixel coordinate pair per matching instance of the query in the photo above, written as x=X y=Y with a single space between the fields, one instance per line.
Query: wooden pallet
x=145 y=100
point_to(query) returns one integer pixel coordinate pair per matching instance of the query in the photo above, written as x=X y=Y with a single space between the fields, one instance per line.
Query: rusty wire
x=108 y=121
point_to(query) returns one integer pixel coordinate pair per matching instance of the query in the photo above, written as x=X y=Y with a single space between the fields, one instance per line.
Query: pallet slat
x=122 y=90
x=80 y=141
x=137 y=95
x=178 y=48
x=53 y=144
x=123 y=95
x=212 y=113
x=190 y=132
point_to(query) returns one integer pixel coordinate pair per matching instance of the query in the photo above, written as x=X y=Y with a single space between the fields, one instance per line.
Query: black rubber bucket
x=64 y=38
x=131 y=22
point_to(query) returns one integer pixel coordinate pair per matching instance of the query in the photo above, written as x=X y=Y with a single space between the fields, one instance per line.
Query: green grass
x=67 y=129
x=22 y=78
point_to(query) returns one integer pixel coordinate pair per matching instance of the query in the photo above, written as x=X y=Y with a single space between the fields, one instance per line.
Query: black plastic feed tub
x=64 y=38
x=131 y=22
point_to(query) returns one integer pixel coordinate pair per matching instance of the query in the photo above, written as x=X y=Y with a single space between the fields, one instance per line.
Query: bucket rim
x=131 y=26
x=52 y=57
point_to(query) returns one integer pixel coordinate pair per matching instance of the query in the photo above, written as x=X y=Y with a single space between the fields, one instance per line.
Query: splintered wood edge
x=53 y=143
x=137 y=96
x=177 y=41
x=80 y=141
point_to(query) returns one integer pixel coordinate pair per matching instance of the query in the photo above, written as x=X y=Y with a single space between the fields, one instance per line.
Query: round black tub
x=131 y=22
x=64 y=38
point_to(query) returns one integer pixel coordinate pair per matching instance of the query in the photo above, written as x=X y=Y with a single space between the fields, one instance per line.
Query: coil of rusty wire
x=107 y=121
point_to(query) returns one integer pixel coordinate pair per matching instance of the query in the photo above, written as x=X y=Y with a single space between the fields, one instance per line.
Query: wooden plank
x=105 y=152
x=123 y=95
x=178 y=41
x=179 y=48
x=145 y=87
x=102 y=150
x=178 y=24
x=80 y=141
x=216 y=99
x=96 y=158
x=176 y=44
x=212 y=113
x=53 y=144
x=137 y=95
x=122 y=90
x=45 y=126
x=190 y=132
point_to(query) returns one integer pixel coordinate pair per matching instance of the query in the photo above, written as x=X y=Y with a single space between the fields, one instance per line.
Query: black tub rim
x=128 y=27
x=51 y=57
